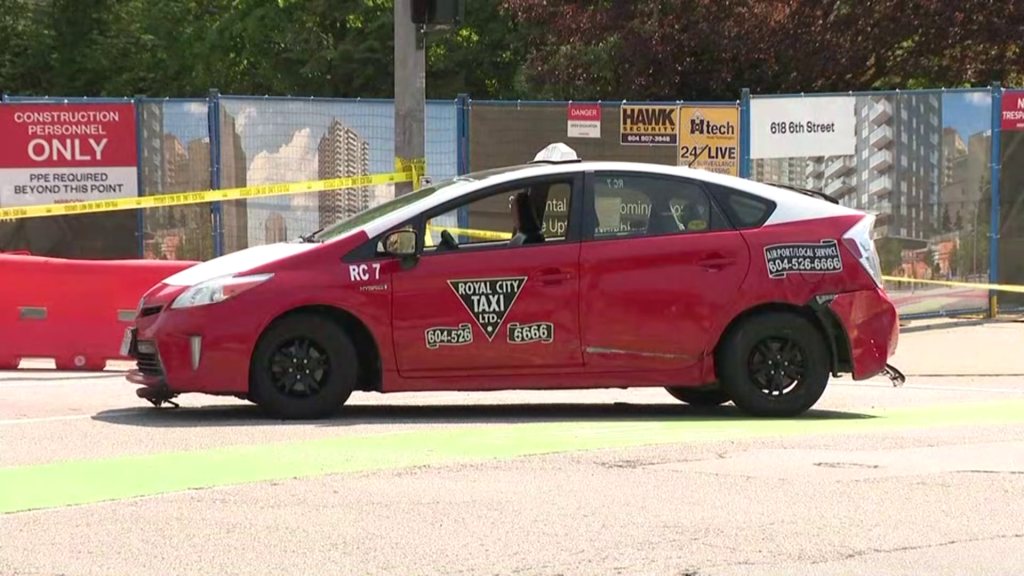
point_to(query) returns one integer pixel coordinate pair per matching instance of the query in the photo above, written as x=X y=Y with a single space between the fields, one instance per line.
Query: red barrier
x=74 y=311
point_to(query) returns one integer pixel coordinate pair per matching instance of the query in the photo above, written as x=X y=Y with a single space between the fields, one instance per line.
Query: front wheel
x=304 y=366
x=774 y=364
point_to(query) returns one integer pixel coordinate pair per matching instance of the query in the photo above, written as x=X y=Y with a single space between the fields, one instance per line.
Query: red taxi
x=556 y=274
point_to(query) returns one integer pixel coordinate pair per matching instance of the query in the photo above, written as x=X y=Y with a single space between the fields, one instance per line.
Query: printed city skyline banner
x=802 y=127
x=62 y=153
x=646 y=125
x=1013 y=110
x=584 y=121
x=709 y=138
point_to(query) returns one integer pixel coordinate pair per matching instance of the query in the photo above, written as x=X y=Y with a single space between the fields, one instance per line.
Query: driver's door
x=477 y=303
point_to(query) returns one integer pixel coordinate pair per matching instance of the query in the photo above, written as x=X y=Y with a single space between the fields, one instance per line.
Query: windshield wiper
x=308 y=238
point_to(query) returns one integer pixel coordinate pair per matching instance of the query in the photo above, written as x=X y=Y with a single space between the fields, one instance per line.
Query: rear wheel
x=703 y=396
x=774 y=364
x=304 y=366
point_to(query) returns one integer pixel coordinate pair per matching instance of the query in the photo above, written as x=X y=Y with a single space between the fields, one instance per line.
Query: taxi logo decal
x=488 y=300
x=808 y=257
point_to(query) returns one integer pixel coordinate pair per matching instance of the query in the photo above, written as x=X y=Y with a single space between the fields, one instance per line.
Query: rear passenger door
x=659 y=264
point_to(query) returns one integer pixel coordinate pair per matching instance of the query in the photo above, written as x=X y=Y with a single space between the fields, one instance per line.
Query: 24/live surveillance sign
x=57 y=153
x=802 y=127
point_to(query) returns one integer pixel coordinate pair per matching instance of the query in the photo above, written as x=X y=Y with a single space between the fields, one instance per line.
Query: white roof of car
x=791 y=206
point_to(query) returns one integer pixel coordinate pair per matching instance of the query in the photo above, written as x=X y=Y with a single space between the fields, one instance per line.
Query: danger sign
x=584 y=121
x=57 y=153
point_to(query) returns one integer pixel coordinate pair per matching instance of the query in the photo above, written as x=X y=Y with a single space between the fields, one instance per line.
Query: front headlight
x=218 y=290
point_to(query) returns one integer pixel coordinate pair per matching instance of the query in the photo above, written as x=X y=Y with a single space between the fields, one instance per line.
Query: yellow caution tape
x=975 y=285
x=485 y=234
x=183 y=198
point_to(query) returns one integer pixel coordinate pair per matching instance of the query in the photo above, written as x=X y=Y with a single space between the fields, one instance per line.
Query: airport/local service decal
x=488 y=300
x=804 y=257
x=527 y=333
x=454 y=336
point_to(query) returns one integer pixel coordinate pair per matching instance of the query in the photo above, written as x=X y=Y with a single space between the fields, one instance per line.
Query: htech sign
x=488 y=300
x=649 y=125
x=710 y=138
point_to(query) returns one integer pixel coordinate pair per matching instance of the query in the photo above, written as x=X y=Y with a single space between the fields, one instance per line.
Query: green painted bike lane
x=76 y=482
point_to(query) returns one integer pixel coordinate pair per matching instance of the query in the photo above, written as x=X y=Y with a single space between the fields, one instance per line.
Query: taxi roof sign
x=556 y=154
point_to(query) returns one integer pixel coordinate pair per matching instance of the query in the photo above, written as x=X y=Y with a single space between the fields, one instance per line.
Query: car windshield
x=367 y=216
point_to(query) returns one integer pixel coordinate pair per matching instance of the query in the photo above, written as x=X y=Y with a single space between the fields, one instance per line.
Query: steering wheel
x=447 y=242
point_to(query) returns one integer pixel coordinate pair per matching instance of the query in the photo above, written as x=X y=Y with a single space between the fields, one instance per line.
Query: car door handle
x=715 y=262
x=549 y=276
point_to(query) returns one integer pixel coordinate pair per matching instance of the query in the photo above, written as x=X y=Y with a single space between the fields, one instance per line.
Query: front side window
x=534 y=213
x=628 y=205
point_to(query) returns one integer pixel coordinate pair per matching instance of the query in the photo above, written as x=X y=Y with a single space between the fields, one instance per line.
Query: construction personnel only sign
x=67 y=153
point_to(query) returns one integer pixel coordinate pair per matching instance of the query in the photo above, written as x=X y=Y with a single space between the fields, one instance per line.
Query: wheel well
x=369 y=377
x=823 y=319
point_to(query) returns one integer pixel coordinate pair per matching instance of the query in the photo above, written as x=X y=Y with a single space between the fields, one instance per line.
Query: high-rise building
x=152 y=161
x=233 y=174
x=790 y=171
x=342 y=153
x=953 y=147
x=895 y=171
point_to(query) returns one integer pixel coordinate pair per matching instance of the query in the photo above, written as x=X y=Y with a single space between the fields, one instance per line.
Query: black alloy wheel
x=304 y=366
x=776 y=364
x=299 y=368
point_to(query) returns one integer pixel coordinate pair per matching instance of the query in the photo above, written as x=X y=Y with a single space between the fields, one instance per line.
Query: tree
x=890 y=254
x=947 y=224
x=929 y=260
x=710 y=49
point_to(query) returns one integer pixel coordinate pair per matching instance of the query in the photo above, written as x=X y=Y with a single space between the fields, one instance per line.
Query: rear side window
x=742 y=209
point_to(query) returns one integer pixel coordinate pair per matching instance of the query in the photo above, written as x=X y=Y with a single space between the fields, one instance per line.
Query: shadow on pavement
x=361 y=414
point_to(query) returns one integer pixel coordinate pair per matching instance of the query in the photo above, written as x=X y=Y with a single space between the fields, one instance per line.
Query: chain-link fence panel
x=175 y=157
x=919 y=161
x=280 y=140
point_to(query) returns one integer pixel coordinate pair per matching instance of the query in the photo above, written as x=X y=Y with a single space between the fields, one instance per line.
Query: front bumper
x=204 y=349
x=872 y=327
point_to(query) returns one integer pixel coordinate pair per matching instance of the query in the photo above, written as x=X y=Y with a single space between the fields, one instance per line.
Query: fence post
x=462 y=128
x=745 y=133
x=216 y=213
x=140 y=184
x=993 y=227
x=462 y=133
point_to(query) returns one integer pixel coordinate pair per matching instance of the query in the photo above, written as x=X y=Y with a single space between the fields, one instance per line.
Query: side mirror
x=401 y=244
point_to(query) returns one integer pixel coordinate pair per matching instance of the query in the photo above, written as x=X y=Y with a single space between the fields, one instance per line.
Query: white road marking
x=46 y=419
x=922 y=387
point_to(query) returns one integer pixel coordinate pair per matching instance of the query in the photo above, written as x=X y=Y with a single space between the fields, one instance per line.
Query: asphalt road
x=924 y=479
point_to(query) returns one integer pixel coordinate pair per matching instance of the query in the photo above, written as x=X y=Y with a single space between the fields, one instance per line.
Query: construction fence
x=943 y=170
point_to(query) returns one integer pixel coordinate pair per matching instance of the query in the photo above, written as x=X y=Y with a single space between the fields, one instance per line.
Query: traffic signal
x=427 y=12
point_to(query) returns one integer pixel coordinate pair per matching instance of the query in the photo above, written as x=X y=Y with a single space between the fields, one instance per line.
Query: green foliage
x=607 y=49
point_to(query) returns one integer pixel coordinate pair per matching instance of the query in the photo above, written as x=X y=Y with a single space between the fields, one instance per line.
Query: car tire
x=702 y=396
x=304 y=366
x=775 y=364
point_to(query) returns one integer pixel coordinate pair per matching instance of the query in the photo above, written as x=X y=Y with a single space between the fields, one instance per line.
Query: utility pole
x=410 y=91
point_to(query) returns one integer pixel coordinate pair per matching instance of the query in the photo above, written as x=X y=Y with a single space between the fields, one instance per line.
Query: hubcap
x=776 y=365
x=299 y=368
